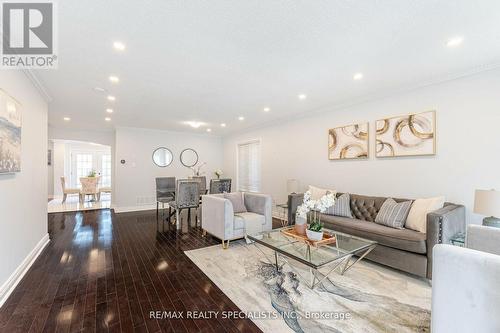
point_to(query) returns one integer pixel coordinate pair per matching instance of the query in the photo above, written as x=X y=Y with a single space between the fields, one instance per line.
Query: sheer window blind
x=249 y=166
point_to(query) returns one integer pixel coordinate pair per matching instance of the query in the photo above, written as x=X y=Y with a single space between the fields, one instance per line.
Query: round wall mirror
x=189 y=157
x=162 y=157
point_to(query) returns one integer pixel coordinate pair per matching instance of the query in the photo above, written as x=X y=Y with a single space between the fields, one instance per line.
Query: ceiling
x=214 y=61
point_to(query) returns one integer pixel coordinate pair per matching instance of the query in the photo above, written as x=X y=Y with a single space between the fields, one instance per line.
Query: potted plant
x=92 y=173
x=315 y=231
x=218 y=173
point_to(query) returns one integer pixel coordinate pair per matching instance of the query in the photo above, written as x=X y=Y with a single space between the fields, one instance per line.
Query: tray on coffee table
x=327 y=237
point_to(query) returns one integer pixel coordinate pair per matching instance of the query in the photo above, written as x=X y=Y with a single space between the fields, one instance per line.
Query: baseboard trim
x=133 y=208
x=8 y=287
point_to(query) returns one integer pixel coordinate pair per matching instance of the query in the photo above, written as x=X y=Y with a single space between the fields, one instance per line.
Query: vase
x=314 y=235
x=300 y=225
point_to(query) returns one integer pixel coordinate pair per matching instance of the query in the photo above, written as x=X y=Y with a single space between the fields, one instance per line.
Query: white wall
x=23 y=195
x=468 y=146
x=50 y=171
x=135 y=180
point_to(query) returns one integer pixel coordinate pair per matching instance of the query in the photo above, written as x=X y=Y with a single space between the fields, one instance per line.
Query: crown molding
x=44 y=92
x=369 y=98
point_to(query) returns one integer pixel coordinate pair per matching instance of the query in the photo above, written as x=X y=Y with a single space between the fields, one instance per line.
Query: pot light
x=455 y=41
x=267 y=109
x=109 y=110
x=241 y=118
x=114 y=79
x=358 y=76
x=209 y=130
x=302 y=96
x=99 y=89
x=119 y=46
x=107 y=119
x=223 y=125
x=111 y=98
x=67 y=118
x=194 y=124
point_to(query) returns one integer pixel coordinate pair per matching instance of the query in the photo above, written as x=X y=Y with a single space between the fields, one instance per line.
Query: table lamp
x=487 y=202
x=292 y=186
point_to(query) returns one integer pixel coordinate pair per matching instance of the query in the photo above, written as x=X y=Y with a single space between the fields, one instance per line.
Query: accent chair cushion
x=236 y=199
x=317 y=192
x=417 y=217
x=342 y=206
x=393 y=214
x=241 y=218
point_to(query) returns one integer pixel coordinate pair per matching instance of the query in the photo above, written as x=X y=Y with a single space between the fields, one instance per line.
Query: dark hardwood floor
x=104 y=272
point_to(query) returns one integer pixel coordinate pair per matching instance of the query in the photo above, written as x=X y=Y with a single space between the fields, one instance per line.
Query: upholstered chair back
x=165 y=187
x=203 y=183
x=188 y=193
x=89 y=184
x=220 y=186
x=63 y=183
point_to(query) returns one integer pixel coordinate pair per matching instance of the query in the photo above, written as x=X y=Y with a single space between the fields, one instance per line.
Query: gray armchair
x=219 y=219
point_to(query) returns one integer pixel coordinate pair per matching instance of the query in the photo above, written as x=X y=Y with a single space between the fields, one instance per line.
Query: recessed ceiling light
x=107 y=119
x=109 y=110
x=455 y=41
x=99 y=89
x=241 y=118
x=267 y=109
x=358 y=76
x=114 y=79
x=209 y=130
x=223 y=125
x=119 y=46
x=67 y=118
x=302 y=96
x=194 y=124
x=111 y=98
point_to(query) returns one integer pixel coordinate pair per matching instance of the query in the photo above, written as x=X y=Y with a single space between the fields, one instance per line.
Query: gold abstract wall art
x=10 y=134
x=348 y=142
x=409 y=135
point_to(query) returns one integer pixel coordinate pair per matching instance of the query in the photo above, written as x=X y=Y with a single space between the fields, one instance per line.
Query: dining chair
x=89 y=187
x=203 y=184
x=187 y=197
x=220 y=186
x=67 y=190
x=165 y=191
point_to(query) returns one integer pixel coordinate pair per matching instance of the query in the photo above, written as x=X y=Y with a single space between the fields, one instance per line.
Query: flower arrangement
x=218 y=173
x=315 y=229
x=197 y=169
x=92 y=173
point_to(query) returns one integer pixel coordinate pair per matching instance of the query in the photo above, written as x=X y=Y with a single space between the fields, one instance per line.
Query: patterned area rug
x=368 y=298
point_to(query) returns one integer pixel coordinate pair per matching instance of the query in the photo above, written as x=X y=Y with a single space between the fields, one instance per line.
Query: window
x=106 y=171
x=249 y=166
x=83 y=166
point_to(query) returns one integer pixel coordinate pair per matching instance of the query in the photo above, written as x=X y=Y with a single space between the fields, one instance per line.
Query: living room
x=250 y=167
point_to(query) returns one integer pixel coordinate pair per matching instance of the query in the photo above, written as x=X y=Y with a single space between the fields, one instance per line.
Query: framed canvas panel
x=408 y=135
x=348 y=142
x=10 y=134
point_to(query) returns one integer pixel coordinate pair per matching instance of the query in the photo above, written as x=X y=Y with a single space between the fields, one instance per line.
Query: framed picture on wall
x=408 y=135
x=348 y=142
x=10 y=134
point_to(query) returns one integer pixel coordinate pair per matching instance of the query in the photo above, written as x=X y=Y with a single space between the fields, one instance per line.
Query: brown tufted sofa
x=403 y=249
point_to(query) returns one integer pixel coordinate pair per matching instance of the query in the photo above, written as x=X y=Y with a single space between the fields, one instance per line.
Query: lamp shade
x=487 y=202
x=292 y=186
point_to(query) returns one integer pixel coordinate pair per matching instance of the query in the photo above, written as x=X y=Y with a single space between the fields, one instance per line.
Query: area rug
x=368 y=298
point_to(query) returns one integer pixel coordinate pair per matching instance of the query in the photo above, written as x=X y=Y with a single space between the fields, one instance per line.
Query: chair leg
x=189 y=216
x=157 y=207
x=225 y=245
x=64 y=197
x=178 y=219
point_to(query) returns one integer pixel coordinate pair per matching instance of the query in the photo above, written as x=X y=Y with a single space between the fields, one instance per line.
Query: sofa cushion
x=317 y=192
x=393 y=214
x=240 y=218
x=366 y=207
x=403 y=239
x=342 y=206
x=236 y=199
x=417 y=217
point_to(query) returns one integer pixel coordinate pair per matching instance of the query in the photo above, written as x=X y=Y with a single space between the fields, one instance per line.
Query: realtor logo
x=28 y=35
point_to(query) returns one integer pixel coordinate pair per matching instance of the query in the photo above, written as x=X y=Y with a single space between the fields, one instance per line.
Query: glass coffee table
x=331 y=257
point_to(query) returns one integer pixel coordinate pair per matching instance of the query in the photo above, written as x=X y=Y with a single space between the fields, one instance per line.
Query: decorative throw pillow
x=317 y=192
x=393 y=214
x=417 y=217
x=342 y=206
x=236 y=199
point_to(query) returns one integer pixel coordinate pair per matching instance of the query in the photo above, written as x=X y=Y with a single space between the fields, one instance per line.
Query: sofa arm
x=260 y=204
x=217 y=216
x=442 y=225
x=294 y=201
